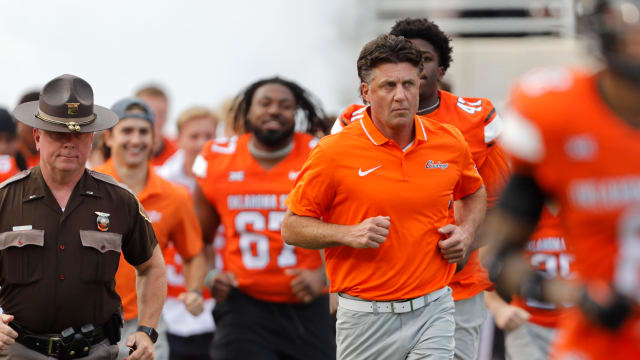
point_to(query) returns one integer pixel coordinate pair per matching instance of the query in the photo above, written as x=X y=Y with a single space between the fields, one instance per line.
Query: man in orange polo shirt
x=168 y=206
x=381 y=211
x=480 y=124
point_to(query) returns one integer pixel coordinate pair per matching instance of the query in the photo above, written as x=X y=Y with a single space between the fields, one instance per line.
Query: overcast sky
x=201 y=51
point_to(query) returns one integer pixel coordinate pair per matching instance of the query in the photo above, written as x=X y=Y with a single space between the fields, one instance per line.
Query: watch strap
x=151 y=332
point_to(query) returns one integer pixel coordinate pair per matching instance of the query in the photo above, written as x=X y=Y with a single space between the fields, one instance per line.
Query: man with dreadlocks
x=272 y=301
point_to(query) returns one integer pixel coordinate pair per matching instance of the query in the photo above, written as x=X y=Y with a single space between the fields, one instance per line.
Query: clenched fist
x=221 y=284
x=455 y=247
x=370 y=233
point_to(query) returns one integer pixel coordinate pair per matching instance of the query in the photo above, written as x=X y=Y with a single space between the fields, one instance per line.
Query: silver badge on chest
x=102 y=220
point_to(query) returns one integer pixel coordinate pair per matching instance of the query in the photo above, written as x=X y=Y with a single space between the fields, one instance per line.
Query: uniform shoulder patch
x=19 y=176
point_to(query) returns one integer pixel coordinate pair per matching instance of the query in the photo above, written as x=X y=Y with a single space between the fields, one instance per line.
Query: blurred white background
x=204 y=52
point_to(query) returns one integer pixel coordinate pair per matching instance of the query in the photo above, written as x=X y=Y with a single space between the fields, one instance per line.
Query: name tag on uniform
x=22 y=227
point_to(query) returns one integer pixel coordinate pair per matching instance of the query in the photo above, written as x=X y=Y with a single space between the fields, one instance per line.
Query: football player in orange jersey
x=8 y=146
x=529 y=324
x=574 y=138
x=271 y=298
x=480 y=125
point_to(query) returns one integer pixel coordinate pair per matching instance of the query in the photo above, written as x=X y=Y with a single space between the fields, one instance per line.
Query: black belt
x=74 y=344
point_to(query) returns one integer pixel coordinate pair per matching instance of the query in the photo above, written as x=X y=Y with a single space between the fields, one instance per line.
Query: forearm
x=494 y=302
x=312 y=233
x=151 y=287
x=470 y=212
x=207 y=215
x=195 y=271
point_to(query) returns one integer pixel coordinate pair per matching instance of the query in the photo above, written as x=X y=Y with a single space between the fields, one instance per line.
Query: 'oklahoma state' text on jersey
x=250 y=202
x=562 y=133
x=480 y=124
x=547 y=252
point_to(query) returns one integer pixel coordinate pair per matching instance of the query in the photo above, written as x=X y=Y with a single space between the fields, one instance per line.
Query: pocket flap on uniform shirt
x=21 y=238
x=101 y=241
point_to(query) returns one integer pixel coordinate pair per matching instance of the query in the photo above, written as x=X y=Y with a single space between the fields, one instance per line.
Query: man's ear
x=441 y=73
x=106 y=137
x=36 y=137
x=364 y=92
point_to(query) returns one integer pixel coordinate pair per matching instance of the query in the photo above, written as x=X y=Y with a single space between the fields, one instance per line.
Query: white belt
x=396 y=307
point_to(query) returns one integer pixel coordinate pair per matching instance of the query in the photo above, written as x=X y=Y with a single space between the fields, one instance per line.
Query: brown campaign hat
x=66 y=105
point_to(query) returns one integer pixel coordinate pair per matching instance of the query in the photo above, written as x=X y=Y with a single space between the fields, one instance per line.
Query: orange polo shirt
x=173 y=218
x=413 y=187
x=480 y=125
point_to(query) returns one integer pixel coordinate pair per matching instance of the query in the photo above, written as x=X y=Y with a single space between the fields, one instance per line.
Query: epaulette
x=109 y=179
x=19 y=176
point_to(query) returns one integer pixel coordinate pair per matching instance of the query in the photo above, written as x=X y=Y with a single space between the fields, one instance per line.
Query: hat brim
x=26 y=114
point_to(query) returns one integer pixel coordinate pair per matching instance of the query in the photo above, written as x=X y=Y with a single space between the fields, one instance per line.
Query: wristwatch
x=151 y=332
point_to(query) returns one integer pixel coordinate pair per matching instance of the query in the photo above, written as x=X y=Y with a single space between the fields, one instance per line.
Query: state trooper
x=63 y=229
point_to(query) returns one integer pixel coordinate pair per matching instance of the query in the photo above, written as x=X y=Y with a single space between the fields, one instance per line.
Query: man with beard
x=480 y=125
x=271 y=297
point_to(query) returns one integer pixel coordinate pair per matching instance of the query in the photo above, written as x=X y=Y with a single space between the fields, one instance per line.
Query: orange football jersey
x=480 y=125
x=250 y=202
x=546 y=252
x=8 y=167
x=579 y=152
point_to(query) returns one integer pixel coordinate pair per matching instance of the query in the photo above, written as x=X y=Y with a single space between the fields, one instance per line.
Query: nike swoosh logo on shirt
x=365 y=173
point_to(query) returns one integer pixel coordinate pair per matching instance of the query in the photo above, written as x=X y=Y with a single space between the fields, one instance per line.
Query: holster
x=113 y=328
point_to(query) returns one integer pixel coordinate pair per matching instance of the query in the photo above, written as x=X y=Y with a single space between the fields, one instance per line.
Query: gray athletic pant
x=529 y=342
x=100 y=351
x=161 y=348
x=470 y=314
x=425 y=333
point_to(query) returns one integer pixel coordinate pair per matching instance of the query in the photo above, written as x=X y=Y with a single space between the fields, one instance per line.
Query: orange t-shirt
x=168 y=149
x=547 y=252
x=579 y=152
x=480 y=125
x=375 y=177
x=8 y=167
x=174 y=220
x=250 y=202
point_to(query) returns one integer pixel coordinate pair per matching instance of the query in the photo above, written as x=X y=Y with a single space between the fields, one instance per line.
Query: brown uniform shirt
x=57 y=268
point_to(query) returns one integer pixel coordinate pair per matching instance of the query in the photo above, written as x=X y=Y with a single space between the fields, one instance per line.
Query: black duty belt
x=69 y=344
